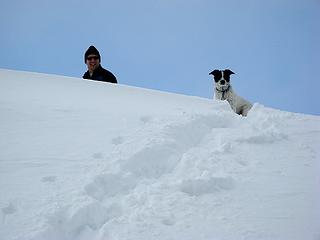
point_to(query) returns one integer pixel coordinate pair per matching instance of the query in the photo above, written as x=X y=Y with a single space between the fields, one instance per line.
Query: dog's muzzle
x=222 y=85
x=222 y=82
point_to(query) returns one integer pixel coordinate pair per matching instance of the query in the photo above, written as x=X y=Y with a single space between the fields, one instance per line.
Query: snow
x=90 y=160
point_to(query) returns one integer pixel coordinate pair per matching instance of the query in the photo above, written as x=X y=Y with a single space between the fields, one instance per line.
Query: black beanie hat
x=91 y=51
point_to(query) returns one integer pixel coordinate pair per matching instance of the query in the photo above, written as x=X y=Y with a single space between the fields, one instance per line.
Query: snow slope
x=90 y=160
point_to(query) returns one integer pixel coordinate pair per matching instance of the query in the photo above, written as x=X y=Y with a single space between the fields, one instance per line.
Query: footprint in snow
x=8 y=210
x=117 y=140
x=198 y=187
x=49 y=179
x=97 y=155
x=110 y=185
x=145 y=119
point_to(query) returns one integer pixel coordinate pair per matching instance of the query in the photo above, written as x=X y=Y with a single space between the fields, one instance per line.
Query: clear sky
x=171 y=45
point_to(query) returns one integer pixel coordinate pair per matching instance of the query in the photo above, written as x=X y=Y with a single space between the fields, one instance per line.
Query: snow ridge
x=87 y=160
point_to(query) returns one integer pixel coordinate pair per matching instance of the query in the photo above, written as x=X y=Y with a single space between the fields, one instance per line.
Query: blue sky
x=172 y=45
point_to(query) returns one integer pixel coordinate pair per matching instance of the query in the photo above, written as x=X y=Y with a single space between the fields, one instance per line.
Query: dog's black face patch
x=217 y=75
x=226 y=74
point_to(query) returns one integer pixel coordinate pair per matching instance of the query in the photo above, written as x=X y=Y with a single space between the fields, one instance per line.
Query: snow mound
x=90 y=160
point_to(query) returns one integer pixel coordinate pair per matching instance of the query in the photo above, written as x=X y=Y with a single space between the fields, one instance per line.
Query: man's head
x=92 y=58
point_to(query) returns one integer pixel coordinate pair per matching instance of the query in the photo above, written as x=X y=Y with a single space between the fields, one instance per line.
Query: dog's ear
x=228 y=72
x=215 y=72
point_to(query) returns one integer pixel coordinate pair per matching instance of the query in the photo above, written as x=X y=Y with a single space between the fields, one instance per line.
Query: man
x=95 y=71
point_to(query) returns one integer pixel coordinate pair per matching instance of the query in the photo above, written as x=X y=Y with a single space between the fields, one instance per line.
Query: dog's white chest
x=238 y=104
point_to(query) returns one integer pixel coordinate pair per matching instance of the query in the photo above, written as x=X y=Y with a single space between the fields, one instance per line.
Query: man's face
x=92 y=62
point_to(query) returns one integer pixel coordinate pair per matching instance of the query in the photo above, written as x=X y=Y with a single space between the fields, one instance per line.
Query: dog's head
x=222 y=78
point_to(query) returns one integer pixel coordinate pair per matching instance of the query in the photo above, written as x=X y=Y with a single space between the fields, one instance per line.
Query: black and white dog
x=224 y=91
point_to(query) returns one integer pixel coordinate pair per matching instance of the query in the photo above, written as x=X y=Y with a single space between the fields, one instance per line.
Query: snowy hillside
x=85 y=160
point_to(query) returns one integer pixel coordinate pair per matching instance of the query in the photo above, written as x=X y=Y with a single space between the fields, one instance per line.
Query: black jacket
x=101 y=74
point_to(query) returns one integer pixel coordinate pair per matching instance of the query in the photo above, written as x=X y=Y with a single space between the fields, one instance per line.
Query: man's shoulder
x=86 y=75
x=101 y=69
x=109 y=75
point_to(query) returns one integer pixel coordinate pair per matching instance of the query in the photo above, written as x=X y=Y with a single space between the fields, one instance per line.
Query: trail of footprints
x=161 y=157
x=172 y=151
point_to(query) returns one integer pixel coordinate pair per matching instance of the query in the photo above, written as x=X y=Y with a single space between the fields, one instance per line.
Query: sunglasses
x=94 y=57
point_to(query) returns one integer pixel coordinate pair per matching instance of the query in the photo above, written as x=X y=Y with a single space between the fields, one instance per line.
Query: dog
x=223 y=91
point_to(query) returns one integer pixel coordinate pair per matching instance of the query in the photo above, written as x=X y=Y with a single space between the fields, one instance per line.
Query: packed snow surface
x=87 y=160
